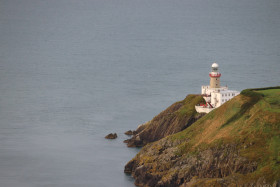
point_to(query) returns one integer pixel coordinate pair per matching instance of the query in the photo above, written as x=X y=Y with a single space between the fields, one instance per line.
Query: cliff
x=174 y=119
x=237 y=144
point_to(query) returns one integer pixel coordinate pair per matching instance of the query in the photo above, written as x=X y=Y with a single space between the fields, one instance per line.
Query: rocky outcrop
x=129 y=132
x=237 y=144
x=174 y=119
x=165 y=167
x=111 y=136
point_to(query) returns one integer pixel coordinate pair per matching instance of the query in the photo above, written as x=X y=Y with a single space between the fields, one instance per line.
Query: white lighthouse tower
x=215 y=76
x=214 y=94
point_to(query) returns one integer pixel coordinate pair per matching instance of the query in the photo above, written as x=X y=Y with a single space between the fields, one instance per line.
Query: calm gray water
x=72 y=71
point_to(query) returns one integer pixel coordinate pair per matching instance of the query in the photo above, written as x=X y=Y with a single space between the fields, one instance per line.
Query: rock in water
x=111 y=136
x=129 y=133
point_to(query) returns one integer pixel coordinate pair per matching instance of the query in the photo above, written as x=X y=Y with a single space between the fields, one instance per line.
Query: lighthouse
x=215 y=76
x=214 y=94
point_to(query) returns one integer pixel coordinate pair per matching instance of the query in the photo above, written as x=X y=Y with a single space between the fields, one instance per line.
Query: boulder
x=129 y=133
x=111 y=136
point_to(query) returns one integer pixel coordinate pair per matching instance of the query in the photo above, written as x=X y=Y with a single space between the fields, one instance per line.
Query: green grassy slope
x=239 y=142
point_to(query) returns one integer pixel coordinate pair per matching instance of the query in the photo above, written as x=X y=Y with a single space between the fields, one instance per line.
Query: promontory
x=237 y=144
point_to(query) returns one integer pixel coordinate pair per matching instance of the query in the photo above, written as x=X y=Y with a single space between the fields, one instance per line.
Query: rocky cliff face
x=174 y=119
x=237 y=144
x=170 y=169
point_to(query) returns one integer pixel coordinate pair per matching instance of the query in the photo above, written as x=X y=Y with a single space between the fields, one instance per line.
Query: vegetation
x=188 y=108
x=243 y=134
x=174 y=119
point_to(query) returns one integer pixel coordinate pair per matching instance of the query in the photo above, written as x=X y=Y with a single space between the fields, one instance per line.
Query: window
x=222 y=100
x=232 y=94
x=222 y=95
x=226 y=94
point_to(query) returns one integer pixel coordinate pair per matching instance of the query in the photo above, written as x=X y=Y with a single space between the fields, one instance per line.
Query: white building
x=213 y=94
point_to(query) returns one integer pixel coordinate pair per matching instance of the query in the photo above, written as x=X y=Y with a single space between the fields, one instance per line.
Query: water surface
x=73 y=71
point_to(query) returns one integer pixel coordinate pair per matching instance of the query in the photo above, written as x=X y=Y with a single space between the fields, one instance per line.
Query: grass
x=275 y=148
x=272 y=97
x=188 y=108
x=251 y=121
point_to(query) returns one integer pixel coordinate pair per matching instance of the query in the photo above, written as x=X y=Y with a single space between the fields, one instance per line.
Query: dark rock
x=203 y=165
x=133 y=143
x=129 y=167
x=129 y=133
x=111 y=136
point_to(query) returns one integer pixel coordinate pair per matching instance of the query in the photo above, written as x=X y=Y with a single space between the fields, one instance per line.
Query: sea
x=73 y=71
